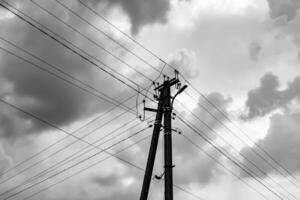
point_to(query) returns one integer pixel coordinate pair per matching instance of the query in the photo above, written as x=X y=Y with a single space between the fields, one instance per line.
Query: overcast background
x=243 y=55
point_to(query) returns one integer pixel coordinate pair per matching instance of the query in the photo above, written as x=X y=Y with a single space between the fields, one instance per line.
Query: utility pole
x=164 y=109
x=168 y=141
x=153 y=148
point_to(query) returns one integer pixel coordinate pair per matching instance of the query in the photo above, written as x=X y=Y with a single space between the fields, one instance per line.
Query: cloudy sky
x=72 y=78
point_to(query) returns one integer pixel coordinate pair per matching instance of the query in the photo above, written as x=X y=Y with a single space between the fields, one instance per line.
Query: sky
x=61 y=105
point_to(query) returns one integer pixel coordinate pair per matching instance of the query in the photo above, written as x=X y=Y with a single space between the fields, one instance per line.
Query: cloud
x=254 y=50
x=142 y=13
x=286 y=8
x=201 y=170
x=39 y=92
x=267 y=97
x=106 y=181
x=285 y=18
x=219 y=101
x=4 y=161
x=281 y=142
x=185 y=62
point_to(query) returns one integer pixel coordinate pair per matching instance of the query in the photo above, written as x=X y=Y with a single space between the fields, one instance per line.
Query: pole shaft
x=168 y=141
x=152 y=150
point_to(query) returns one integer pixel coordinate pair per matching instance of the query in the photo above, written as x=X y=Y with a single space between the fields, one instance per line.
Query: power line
x=102 y=160
x=65 y=80
x=222 y=165
x=92 y=41
x=22 y=49
x=48 y=123
x=255 y=143
x=63 y=148
x=74 y=155
x=219 y=149
x=84 y=169
x=76 y=164
x=247 y=159
x=120 y=103
x=238 y=137
x=73 y=50
x=105 y=34
x=57 y=142
x=59 y=69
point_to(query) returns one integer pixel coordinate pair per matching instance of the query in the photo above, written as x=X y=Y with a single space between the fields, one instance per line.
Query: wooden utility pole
x=168 y=141
x=164 y=109
x=153 y=148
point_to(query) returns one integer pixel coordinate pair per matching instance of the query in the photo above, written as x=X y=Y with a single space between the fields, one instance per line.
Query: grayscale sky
x=70 y=76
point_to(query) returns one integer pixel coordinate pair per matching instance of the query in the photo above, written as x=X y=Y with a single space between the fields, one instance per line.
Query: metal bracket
x=150 y=109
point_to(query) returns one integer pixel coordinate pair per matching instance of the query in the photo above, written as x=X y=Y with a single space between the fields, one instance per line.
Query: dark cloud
x=40 y=93
x=281 y=142
x=285 y=15
x=286 y=8
x=142 y=13
x=267 y=97
x=109 y=180
x=254 y=50
x=4 y=161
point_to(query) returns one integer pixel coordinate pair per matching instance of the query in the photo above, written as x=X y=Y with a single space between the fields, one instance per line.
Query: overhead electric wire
x=100 y=46
x=44 y=62
x=102 y=160
x=108 y=36
x=75 y=164
x=64 y=79
x=52 y=66
x=251 y=140
x=63 y=148
x=48 y=123
x=73 y=50
x=92 y=41
x=194 y=88
x=72 y=157
x=84 y=169
x=59 y=69
x=222 y=165
x=57 y=142
x=244 y=157
x=222 y=151
x=239 y=138
x=127 y=110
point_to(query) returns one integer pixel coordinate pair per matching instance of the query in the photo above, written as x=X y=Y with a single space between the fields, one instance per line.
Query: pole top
x=171 y=82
